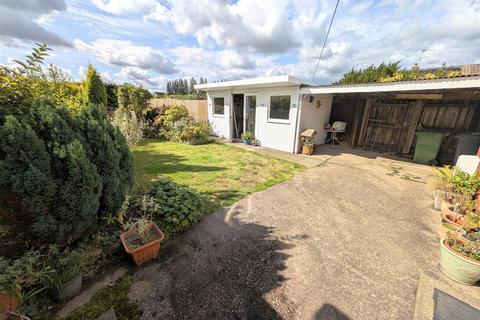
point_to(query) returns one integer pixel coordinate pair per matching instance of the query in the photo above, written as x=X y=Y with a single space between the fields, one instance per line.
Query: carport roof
x=415 y=85
x=462 y=82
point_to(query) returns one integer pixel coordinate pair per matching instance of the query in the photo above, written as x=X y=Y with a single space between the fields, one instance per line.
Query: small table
x=333 y=136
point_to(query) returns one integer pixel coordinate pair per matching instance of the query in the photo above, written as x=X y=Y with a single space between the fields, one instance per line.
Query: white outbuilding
x=379 y=116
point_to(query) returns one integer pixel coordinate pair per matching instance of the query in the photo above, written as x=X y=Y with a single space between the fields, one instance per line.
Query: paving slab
x=352 y=238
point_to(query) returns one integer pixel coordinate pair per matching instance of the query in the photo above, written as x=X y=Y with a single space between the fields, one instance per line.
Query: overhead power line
x=325 y=41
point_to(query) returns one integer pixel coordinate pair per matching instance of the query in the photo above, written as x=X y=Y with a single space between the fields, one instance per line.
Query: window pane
x=218 y=106
x=280 y=107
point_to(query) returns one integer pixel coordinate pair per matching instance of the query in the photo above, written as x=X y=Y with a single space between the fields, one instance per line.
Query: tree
x=93 y=88
x=112 y=99
x=20 y=85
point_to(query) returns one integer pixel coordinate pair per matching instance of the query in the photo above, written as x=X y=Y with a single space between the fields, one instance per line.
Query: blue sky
x=148 y=42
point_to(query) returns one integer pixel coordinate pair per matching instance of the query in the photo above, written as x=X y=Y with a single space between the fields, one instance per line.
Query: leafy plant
x=462 y=186
x=174 y=114
x=307 y=141
x=472 y=220
x=94 y=91
x=20 y=85
x=130 y=126
x=467 y=249
x=26 y=276
x=67 y=266
x=142 y=228
x=391 y=72
x=173 y=207
x=247 y=135
x=194 y=132
x=133 y=98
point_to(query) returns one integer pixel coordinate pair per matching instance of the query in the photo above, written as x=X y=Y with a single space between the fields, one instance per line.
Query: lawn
x=222 y=173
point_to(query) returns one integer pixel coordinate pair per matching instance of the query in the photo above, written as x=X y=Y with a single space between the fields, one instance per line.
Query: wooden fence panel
x=197 y=109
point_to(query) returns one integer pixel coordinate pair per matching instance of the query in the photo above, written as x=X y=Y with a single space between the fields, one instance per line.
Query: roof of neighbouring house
x=262 y=82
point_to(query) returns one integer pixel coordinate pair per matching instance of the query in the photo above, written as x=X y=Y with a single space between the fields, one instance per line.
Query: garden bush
x=108 y=150
x=194 y=132
x=129 y=125
x=49 y=188
x=60 y=174
x=133 y=98
x=173 y=207
x=176 y=124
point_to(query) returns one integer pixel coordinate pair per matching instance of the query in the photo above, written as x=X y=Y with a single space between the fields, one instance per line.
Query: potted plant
x=459 y=260
x=21 y=279
x=307 y=145
x=470 y=233
x=67 y=278
x=247 y=137
x=142 y=239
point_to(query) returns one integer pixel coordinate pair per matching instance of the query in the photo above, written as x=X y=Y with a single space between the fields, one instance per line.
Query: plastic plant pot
x=145 y=252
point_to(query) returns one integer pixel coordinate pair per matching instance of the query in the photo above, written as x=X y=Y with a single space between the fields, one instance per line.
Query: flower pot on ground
x=247 y=137
x=453 y=219
x=460 y=262
x=67 y=279
x=142 y=240
x=308 y=146
x=9 y=300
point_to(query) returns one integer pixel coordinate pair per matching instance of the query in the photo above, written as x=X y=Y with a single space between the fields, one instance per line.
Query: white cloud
x=20 y=20
x=261 y=26
x=126 y=54
x=141 y=78
x=120 y=7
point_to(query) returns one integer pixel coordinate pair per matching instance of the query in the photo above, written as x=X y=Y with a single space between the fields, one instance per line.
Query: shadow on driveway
x=222 y=269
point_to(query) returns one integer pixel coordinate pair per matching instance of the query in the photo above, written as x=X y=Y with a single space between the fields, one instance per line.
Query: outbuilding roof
x=462 y=82
x=262 y=82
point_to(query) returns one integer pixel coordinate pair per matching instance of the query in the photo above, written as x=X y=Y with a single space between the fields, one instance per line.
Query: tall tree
x=93 y=88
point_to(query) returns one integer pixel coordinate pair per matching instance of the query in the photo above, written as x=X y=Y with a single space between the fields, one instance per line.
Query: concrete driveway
x=350 y=239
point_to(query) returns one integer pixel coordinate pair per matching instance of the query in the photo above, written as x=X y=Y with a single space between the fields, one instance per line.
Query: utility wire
x=325 y=41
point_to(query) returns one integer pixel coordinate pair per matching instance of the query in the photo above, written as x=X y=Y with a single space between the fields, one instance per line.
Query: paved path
x=353 y=238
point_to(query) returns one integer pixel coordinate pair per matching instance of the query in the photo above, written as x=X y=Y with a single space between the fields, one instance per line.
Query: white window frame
x=276 y=120
x=218 y=115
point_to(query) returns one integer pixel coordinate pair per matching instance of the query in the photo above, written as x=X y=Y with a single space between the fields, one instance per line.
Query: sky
x=148 y=42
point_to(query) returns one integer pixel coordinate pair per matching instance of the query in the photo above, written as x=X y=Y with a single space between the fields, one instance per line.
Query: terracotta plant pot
x=307 y=150
x=453 y=219
x=457 y=267
x=9 y=301
x=145 y=252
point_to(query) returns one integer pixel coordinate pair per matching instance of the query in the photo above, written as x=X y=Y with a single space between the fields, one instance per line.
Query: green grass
x=223 y=174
